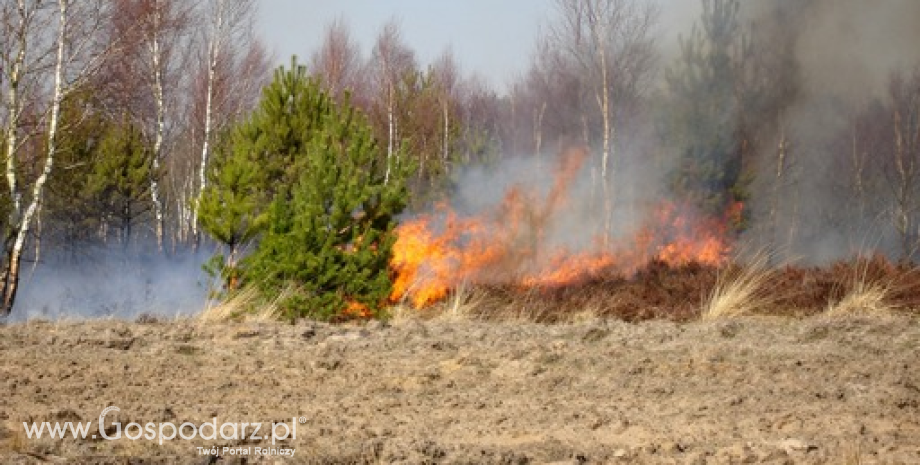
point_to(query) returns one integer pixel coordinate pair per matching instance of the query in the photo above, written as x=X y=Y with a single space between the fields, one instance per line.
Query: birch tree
x=164 y=28
x=148 y=79
x=75 y=52
x=230 y=25
x=446 y=75
x=904 y=175
x=339 y=63
x=609 y=41
x=391 y=60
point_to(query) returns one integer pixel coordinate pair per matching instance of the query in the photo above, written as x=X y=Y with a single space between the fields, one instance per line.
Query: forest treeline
x=157 y=126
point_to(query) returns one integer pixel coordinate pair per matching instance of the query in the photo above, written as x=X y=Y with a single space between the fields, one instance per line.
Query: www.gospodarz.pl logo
x=165 y=431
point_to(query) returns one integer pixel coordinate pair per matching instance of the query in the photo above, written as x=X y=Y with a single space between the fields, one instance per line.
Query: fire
x=436 y=253
x=357 y=309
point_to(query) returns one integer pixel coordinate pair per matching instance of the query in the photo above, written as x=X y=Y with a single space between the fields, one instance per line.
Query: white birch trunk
x=604 y=95
x=13 y=267
x=391 y=128
x=446 y=149
x=214 y=50
x=160 y=102
x=14 y=113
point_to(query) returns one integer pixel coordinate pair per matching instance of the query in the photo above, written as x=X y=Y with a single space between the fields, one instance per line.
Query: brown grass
x=464 y=304
x=657 y=291
x=246 y=306
x=740 y=291
x=870 y=292
x=863 y=299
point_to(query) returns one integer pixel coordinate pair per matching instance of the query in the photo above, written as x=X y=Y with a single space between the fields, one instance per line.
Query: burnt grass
x=678 y=293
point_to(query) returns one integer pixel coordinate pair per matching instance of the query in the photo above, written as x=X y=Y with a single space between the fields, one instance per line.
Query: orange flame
x=357 y=309
x=436 y=253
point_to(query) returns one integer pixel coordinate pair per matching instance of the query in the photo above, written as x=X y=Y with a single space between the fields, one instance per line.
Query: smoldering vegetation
x=846 y=123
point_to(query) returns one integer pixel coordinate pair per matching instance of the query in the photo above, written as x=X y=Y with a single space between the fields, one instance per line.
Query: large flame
x=436 y=253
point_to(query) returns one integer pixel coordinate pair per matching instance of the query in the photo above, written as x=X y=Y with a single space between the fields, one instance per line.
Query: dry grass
x=740 y=291
x=402 y=313
x=246 y=306
x=463 y=305
x=584 y=316
x=866 y=296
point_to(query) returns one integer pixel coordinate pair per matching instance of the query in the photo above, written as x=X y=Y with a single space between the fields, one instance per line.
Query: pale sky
x=491 y=38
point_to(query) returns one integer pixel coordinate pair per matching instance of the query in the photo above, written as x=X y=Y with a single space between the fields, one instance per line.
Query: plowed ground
x=748 y=390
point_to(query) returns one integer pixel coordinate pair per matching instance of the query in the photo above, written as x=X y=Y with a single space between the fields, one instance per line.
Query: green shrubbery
x=305 y=181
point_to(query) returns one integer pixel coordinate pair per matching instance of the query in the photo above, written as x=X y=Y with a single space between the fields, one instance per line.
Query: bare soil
x=750 y=390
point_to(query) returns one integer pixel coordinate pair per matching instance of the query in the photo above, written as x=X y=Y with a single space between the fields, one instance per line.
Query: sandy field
x=415 y=391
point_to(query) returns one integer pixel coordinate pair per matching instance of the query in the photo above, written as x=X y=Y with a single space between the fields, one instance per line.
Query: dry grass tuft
x=464 y=304
x=231 y=308
x=740 y=290
x=401 y=313
x=864 y=299
x=866 y=296
x=246 y=306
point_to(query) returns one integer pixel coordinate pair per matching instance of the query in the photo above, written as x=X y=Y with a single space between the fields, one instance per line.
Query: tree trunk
x=779 y=178
x=11 y=274
x=391 y=128
x=605 y=158
x=445 y=151
x=14 y=111
x=159 y=132
x=538 y=131
x=214 y=50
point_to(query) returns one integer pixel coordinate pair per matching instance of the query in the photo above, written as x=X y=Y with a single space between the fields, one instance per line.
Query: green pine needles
x=305 y=181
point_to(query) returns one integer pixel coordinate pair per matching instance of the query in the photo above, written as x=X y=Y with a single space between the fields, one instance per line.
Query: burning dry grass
x=461 y=305
x=657 y=291
x=691 y=292
x=671 y=261
x=525 y=242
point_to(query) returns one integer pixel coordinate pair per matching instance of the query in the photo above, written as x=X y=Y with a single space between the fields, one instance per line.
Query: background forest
x=141 y=138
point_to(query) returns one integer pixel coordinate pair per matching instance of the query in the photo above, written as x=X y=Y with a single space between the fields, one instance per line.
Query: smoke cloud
x=111 y=283
x=845 y=52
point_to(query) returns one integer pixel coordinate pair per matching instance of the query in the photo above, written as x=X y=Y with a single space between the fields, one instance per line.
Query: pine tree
x=120 y=177
x=255 y=161
x=232 y=208
x=305 y=179
x=703 y=120
x=71 y=213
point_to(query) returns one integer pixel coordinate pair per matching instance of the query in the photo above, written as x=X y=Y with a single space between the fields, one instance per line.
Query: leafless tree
x=391 y=60
x=480 y=120
x=446 y=72
x=229 y=30
x=610 y=43
x=148 y=77
x=338 y=62
x=904 y=92
x=57 y=43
